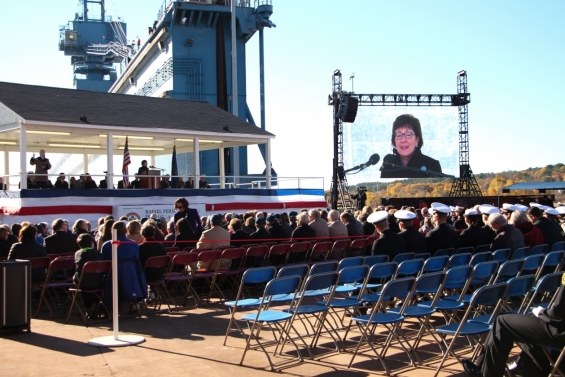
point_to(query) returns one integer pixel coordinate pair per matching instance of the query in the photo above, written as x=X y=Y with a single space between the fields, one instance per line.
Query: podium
x=151 y=179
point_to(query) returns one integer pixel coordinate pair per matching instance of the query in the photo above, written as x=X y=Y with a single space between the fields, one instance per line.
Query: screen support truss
x=464 y=190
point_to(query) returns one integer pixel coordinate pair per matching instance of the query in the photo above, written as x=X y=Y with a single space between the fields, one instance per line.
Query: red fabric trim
x=55 y=210
x=255 y=205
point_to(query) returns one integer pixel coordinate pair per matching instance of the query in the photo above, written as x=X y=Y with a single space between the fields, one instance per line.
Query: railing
x=215 y=182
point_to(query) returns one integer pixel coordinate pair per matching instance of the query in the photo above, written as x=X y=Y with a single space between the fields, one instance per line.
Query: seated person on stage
x=442 y=236
x=150 y=247
x=335 y=227
x=29 y=248
x=165 y=183
x=202 y=183
x=475 y=234
x=87 y=253
x=61 y=241
x=60 y=183
x=89 y=182
x=507 y=237
x=389 y=243
x=131 y=280
x=541 y=327
x=214 y=238
x=143 y=169
x=414 y=241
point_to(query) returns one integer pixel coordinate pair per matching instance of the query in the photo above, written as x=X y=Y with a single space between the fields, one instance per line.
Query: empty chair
x=371 y=260
x=551 y=263
x=435 y=264
x=338 y=250
x=477 y=258
x=482 y=248
x=532 y=264
x=466 y=249
x=501 y=255
x=459 y=260
x=423 y=256
x=320 y=250
x=538 y=249
x=509 y=269
x=520 y=253
x=399 y=258
x=441 y=252
x=349 y=262
x=409 y=268
x=299 y=252
x=558 y=246
x=357 y=247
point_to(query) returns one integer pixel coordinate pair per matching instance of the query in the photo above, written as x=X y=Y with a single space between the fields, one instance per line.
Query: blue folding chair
x=490 y=295
x=321 y=267
x=465 y=249
x=558 y=246
x=457 y=260
x=301 y=270
x=483 y=274
x=409 y=268
x=482 y=248
x=423 y=256
x=539 y=249
x=520 y=253
x=552 y=262
x=374 y=259
x=368 y=323
x=399 y=258
x=260 y=275
x=477 y=258
x=533 y=263
x=378 y=275
x=449 y=252
x=541 y=293
x=509 y=269
x=501 y=255
x=276 y=320
x=349 y=262
x=435 y=264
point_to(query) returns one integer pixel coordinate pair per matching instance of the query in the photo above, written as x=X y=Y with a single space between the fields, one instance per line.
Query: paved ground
x=187 y=342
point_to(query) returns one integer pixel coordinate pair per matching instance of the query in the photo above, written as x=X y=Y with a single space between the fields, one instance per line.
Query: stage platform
x=47 y=205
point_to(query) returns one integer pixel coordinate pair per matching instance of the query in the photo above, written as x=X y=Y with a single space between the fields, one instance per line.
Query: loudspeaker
x=161 y=45
x=347 y=109
x=132 y=80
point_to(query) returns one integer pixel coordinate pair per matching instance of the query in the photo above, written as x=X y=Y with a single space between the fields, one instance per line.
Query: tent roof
x=536 y=186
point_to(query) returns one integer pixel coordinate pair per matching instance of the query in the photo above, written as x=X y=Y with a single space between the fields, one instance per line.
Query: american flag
x=127 y=161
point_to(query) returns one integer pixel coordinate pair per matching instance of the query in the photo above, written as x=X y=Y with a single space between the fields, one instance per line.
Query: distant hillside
x=490 y=183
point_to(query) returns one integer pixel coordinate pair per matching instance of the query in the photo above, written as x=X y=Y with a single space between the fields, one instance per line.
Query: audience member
x=474 y=235
x=318 y=224
x=368 y=228
x=532 y=234
x=4 y=244
x=507 y=237
x=29 y=248
x=134 y=232
x=185 y=236
x=215 y=237
x=150 y=248
x=191 y=214
x=61 y=241
x=550 y=230
x=87 y=253
x=261 y=234
x=414 y=241
x=238 y=236
x=442 y=236
x=389 y=243
x=275 y=229
x=354 y=227
x=303 y=231
x=335 y=227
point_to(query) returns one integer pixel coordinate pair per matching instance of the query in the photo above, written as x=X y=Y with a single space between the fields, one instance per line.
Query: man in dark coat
x=551 y=231
x=60 y=183
x=150 y=248
x=414 y=241
x=442 y=236
x=4 y=244
x=191 y=214
x=474 y=235
x=507 y=237
x=275 y=229
x=261 y=234
x=61 y=241
x=42 y=166
x=486 y=210
x=389 y=243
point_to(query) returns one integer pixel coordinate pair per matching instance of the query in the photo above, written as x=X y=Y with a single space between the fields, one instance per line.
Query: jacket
x=532 y=234
x=418 y=161
x=507 y=237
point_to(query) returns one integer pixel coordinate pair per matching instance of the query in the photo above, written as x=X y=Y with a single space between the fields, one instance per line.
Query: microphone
x=372 y=161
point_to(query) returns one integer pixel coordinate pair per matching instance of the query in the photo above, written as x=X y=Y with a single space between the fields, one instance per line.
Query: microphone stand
x=429 y=173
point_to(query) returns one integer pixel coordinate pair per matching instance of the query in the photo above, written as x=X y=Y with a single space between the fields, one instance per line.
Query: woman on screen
x=407 y=159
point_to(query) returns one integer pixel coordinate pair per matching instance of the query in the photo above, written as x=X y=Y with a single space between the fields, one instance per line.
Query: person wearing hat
x=261 y=234
x=486 y=210
x=60 y=183
x=507 y=237
x=459 y=222
x=561 y=211
x=550 y=230
x=475 y=234
x=214 y=238
x=414 y=241
x=532 y=235
x=552 y=214
x=442 y=236
x=389 y=243
x=202 y=183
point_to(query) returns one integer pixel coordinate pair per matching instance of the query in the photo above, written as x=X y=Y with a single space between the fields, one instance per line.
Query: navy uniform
x=442 y=236
x=414 y=241
x=474 y=235
x=486 y=210
x=389 y=243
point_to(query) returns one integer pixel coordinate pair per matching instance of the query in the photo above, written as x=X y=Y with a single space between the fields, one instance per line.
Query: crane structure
x=464 y=190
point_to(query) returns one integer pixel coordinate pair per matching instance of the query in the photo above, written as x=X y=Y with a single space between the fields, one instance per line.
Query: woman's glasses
x=408 y=135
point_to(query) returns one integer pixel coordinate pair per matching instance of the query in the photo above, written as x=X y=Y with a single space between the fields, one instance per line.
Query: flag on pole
x=127 y=161
x=174 y=168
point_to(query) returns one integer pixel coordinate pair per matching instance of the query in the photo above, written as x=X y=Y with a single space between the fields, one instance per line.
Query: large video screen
x=411 y=141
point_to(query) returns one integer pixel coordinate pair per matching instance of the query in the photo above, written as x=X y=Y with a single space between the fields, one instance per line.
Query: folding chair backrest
x=320 y=281
x=533 y=262
x=351 y=261
x=39 y=262
x=549 y=283
x=466 y=249
x=321 y=247
x=183 y=259
x=484 y=256
x=399 y=288
x=91 y=268
x=320 y=267
x=233 y=253
x=509 y=269
x=371 y=260
x=399 y=258
x=501 y=255
x=558 y=246
x=482 y=248
x=441 y=252
x=456 y=260
x=294 y=270
x=62 y=263
x=423 y=256
x=353 y=274
x=384 y=270
x=173 y=253
x=458 y=277
x=553 y=258
x=257 y=251
x=520 y=285
x=520 y=253
x=299 y=247
x=259 y=275
x=358 y=247
x=171 y=248
x=158 y=261
x=429 y=282
x=279 y=249
x=435 y=264
x=50 y=256
x=209 y=256
x=489 y=294
x=282 y=286
x=538 y=249
x=485 y=272
x=410 y=267
x=339 y=249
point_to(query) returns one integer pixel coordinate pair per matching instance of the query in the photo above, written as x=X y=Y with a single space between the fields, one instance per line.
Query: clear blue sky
x=513 y=52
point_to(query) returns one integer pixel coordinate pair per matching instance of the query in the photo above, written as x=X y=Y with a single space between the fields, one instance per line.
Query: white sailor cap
x=487 y=209
x=560 y=210
x=561 y=204
x=543 y=208
x=471 y=212
x=453 y=208
x=377 y=217
x=521 y=207
x=507 y=207
x=535 y=204
x=441 y=208
x=404 y=215
x=552 y=211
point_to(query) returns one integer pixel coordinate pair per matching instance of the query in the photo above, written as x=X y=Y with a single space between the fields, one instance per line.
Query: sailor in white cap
x=442 y=236
x=521 y=207
x=414 y=241
x=561 y=211
x=486 y=210
x=507 y=210
x=389 y=243
x=475 y=234
x=550 y=230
